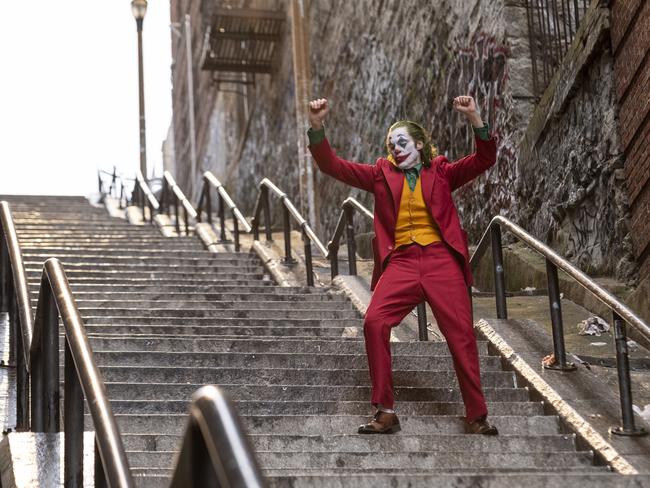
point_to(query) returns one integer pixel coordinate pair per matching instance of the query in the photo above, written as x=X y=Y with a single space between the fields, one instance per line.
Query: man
x=420 y=250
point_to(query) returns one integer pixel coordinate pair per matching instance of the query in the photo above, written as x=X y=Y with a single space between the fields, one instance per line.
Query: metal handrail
x=289 y=210
x=144 y=197
x=215 y=450
x=346 y=224
x=14 y=298
x=81 y=379
x=620 y=312
x=172 y=193
x=115 y=179
x=209 y=180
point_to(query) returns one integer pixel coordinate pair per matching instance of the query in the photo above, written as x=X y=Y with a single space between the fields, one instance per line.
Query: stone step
x=257 y=407
x=81 y=259
x=111 y=244
x=138 y=287
x=32 y=225
x=425 y=461
x=256 y=345
x=374 y=443
x=168 y=295
x=218 y=314
x=187 y=307
x=99 y=270
x=165 y=251
x=207 y=331
x=307 y=393
x=600 y=479
x=337 y=424
x=157 y=279
x=278 y=360
x=293 y=376
x=171 y=323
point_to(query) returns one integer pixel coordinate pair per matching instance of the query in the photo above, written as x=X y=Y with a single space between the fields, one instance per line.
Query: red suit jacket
x=385 y=181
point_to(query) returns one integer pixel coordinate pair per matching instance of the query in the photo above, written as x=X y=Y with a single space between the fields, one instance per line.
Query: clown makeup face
x=403 y=148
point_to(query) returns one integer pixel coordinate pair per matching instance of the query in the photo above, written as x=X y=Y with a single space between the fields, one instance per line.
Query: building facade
x=567 y=109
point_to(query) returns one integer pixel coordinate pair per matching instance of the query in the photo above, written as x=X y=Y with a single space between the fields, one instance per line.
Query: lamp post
x=139 y=9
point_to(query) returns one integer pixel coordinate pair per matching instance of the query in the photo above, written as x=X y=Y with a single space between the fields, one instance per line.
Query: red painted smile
x=401 y=157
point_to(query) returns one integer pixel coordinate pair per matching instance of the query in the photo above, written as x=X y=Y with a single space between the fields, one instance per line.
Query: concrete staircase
x=166 y=317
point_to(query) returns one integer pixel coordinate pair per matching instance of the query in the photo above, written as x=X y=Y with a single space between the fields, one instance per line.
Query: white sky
x=69 y=92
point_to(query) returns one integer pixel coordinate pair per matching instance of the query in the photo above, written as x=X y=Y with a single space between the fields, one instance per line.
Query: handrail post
x=120 y=206
x=235 y=225
x=45 y=365
x=422 y=322
x=308 y=261
x=187 y=221
x=286 y=228
x=4 y=271
x=625 y=388
x=499 y=272
x=333 y=251
x=73 y=421
x=555 y=304
x=267 y=214
x=352 y=245
x=100 y=474
x=208 y=202
x=144 y=205
x=22 y=375
x=222 y=220
x=177 y=223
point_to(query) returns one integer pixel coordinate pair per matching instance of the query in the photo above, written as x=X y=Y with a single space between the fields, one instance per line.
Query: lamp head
x=139 y=9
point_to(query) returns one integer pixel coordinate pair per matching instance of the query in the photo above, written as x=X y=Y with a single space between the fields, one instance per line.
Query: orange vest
x=414 y=221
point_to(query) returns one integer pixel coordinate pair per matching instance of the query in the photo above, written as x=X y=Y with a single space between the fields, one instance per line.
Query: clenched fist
x=467 y=106
x=317 y=111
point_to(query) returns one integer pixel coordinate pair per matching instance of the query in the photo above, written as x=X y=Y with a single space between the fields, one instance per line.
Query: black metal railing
x=115 y=187
x=14 y=299
x=215 y=450
x=173 y=197
x=621 y=314
x=289 y=211
x=346 y=224
x=552 y=26
x=143 y=197
x=82 y=379
x=224 y=200
x=35 y=348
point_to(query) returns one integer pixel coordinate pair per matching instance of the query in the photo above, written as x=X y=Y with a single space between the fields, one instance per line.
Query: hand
x=467 y=106
x=317 y=111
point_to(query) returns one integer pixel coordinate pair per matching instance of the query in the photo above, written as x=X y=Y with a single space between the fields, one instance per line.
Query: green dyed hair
x=417 y=132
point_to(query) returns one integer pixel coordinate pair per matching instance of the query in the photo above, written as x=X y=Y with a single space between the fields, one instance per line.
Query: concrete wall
x=559 y=170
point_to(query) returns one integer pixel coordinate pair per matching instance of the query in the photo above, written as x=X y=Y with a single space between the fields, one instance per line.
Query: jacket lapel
x=395 y=179
x=428 y=177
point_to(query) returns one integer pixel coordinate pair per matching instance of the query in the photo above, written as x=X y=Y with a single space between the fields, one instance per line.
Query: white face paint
x=403 y=148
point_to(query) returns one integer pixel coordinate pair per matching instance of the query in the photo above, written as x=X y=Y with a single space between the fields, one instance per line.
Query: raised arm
x=359 y=175
x=466 y=169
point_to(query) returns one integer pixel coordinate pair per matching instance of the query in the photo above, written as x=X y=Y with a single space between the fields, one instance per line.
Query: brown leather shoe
x=481 y=426
x=381 y=423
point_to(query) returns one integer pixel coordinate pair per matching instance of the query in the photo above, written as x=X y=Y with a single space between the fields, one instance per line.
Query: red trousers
x=432 y=273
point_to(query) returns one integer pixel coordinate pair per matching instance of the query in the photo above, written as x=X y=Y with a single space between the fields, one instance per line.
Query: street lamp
x=139 y=9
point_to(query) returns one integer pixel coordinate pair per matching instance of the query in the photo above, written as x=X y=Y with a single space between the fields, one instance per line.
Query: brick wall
x=630 y=34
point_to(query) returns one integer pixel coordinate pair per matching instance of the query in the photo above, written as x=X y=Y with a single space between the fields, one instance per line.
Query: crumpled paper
x=593 y=326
